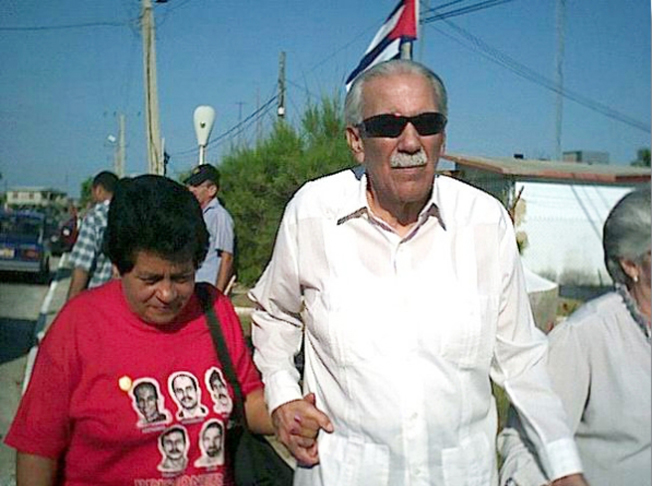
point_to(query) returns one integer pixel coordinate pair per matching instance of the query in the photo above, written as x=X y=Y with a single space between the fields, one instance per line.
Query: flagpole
x=406 y=50
x=394 y=39
x=420 y=32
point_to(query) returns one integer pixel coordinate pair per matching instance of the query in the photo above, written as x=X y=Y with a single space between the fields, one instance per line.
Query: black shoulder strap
x=220 y=348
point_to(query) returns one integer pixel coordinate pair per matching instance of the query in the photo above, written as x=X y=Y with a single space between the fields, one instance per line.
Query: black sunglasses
x=391 y=126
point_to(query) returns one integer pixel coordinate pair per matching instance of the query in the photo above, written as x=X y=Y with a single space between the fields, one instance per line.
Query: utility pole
x=561 y=15
x=119 y=166
x=422 y=32
x=240 y=103
x=259 y=125
x=154 y=149
x=281 y=86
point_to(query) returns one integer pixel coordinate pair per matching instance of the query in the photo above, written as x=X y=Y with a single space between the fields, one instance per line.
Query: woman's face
x=645 y=273
x=157 y=289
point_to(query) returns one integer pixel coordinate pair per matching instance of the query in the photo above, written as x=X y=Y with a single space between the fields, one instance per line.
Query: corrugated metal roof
x=554 y=170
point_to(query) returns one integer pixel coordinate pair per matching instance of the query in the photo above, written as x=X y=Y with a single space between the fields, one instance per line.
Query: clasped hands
x=297 y=425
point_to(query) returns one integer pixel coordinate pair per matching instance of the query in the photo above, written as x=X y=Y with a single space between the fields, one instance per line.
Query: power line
x=460 y=11
x=66 y=26
x=523 y=71
x=237 y=128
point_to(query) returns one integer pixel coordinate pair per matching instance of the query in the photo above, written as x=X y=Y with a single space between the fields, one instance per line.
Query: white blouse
x=601 y=367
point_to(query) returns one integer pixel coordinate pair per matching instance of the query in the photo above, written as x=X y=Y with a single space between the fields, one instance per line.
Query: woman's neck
x=642 y=298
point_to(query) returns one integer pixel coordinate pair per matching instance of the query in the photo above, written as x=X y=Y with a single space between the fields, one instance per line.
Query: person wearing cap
x=217 y=268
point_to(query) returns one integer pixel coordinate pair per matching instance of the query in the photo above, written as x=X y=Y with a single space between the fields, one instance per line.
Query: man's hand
x=297 y=424
x=572 y=480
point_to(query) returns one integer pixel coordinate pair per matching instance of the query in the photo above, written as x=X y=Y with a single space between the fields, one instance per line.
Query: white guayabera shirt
x=402 y=336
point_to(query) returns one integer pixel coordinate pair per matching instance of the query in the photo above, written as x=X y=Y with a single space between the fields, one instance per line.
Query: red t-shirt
x=120 y=401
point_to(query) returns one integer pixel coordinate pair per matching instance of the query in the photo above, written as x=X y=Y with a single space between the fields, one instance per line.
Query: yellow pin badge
x=125 y=383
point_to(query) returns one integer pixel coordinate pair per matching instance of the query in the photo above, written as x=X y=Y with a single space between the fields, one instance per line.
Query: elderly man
x=217 y=268
x=408 y=292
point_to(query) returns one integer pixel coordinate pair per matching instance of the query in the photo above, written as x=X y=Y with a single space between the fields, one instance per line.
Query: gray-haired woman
x=600 y=365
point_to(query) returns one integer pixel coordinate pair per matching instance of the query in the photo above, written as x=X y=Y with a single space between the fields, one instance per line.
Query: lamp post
x=204 y=118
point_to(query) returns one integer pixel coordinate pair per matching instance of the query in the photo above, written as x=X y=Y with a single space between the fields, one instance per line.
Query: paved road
x=25 y=307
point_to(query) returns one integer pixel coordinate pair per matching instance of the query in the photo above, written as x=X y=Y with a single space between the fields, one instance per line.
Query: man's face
x=212 y=440
x=146 y=402
x=204 y=192
x=174 y=445
x=185 y=391
x=395 y=187
x=96 y=194
x=220 y=390
x=157 y=289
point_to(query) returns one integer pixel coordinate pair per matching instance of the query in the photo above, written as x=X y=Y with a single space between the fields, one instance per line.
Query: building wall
x=36 y=197
x=587 y=156
x=563 y=223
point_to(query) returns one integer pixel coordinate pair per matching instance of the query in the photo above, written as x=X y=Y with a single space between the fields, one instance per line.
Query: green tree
x=85 y=197
x=258 y=182
x=643 y=158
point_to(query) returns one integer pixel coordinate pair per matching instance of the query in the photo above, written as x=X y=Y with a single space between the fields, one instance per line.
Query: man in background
x=91 y=267
x=217 y=268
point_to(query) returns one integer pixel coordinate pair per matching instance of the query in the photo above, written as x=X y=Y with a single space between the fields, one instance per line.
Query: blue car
x=24 y=243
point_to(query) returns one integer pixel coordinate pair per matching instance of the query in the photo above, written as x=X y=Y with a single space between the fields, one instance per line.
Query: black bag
x=255 y=461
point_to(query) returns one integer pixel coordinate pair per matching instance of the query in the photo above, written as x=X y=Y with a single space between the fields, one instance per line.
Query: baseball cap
x=201 y=173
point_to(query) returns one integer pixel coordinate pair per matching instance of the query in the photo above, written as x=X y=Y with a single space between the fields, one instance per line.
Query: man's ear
x=354 y=141
x=442 y=148
x=213 y=190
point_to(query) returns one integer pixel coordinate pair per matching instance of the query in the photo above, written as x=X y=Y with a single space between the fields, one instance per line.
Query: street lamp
x=204 y=118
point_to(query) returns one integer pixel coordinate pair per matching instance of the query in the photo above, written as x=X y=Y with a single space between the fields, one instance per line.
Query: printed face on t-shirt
x=212 y=439
x=219 y=389
x=174 y=444
x=185 y=390
x=147 y=402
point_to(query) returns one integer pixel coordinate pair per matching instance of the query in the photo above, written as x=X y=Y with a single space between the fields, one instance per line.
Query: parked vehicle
x=25 y=243
x=65 y=237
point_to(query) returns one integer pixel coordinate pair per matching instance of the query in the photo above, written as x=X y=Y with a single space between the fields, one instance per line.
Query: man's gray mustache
x=402 y=159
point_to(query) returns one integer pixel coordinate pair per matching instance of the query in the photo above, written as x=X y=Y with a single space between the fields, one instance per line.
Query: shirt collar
x=358 y=206
x=213 y=203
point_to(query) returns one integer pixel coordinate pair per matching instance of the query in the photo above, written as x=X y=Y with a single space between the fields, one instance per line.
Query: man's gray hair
x=626 y=233
x=353 y=103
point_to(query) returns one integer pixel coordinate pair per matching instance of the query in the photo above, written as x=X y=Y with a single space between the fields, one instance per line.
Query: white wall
x=563 y=224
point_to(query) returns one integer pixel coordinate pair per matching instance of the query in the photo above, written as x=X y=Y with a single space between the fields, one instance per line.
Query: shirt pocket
x=353 y=329
x=470 y=464
x=465 y=330
x=353 y=462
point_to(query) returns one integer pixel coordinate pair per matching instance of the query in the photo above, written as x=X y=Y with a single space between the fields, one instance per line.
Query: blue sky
x=62 y=83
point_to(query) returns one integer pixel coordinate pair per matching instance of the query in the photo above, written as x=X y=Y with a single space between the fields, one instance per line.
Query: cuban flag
x=399 y=28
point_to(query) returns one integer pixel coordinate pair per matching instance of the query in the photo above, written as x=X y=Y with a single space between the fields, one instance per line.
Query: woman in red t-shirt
x=122 y=390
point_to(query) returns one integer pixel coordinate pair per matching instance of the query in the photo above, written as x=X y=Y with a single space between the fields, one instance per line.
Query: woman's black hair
x=157 y=215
